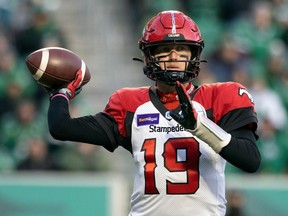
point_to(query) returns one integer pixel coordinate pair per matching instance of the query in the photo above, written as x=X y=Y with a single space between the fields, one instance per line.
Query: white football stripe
x=83 y=68
x=43 y=65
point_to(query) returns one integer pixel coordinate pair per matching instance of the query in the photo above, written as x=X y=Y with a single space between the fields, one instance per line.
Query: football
x=54 y=67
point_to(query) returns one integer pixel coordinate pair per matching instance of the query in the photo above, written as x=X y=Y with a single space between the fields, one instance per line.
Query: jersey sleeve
x=230 y=105
x=124 y=101
x=98 y=129
x=116 y=109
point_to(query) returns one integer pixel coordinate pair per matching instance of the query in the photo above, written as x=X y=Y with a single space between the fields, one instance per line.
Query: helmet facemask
x=153 y=70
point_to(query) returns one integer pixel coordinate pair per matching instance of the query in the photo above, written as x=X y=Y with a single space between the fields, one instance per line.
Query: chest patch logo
x=147 y=119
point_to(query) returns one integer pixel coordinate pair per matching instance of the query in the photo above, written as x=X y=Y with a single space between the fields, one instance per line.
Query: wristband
x=61 y=92
x=211 y=133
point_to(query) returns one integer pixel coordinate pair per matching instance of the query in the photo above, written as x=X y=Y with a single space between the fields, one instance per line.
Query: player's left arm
x=242 y=150
x=238 y=147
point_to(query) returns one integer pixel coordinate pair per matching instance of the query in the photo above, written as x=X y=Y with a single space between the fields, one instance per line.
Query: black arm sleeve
x=242 y=150
x=99 y=129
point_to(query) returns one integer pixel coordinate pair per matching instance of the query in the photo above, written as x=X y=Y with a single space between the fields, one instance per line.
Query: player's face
x=170 y=56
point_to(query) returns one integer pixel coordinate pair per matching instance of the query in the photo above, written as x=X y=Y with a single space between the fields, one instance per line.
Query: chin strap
x=210 y=133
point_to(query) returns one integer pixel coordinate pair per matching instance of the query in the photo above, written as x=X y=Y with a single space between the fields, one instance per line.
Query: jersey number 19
x=172 y=162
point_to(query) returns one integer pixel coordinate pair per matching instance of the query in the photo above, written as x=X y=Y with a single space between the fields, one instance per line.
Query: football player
x=179 y=135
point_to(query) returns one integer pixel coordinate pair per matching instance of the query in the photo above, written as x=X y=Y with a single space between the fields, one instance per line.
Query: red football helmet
x=171 y=27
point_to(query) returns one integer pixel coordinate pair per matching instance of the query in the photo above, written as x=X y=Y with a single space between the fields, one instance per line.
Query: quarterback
x=179 y=135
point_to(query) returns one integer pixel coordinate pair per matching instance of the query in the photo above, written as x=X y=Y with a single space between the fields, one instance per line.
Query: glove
x=199 y=125
x=72 y=89
x=188 y=117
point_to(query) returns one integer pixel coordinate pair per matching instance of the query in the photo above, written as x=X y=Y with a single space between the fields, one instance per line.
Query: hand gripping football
x=55 y=67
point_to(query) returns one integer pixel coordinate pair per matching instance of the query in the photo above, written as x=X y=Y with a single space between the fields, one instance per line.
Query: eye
x=163 y=49
x=166 y=49
x=181 y=48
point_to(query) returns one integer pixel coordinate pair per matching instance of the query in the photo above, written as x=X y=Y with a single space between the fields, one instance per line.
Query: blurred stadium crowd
x=245 y=41
x=25 y=143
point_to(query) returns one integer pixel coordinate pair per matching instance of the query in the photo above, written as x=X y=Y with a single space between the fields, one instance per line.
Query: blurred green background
x=245 y=41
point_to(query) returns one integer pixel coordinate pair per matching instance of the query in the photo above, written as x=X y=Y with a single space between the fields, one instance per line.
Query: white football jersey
x=177 y=174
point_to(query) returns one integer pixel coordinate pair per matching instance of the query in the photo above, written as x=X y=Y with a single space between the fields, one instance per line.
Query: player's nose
x=173 y=55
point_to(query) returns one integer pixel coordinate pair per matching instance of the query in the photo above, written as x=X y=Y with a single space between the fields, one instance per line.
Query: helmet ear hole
x=153 y=50
x=194 y=52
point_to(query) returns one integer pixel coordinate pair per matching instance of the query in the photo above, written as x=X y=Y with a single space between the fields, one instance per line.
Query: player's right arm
x=99 y=129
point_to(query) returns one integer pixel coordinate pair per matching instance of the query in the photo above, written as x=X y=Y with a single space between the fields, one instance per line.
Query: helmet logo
x=173 y=35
